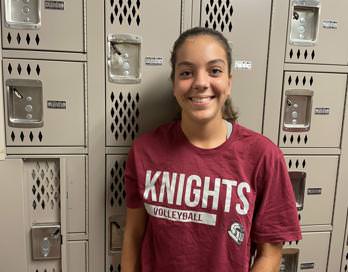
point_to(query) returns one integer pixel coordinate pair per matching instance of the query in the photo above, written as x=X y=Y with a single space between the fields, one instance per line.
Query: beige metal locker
x=246 y=25
x=309 y=254
x=138 y=89
x=44 y=102
x=77 y=253
x=314 y=26
x=36 y=208
x=115 y=208
x=312 y=109
x=314 y=182
x=44 y=25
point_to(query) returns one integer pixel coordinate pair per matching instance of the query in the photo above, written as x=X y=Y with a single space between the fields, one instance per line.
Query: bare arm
x=133 y=236
x=268 y=257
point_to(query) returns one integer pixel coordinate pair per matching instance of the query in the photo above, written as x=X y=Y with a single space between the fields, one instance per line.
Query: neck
x=205 y=134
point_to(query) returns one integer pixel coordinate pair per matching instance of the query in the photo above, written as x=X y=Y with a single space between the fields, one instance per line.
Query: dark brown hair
x=228 y=112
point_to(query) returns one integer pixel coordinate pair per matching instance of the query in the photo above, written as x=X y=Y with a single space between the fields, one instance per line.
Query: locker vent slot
x=115 y=267
x=48 y=266
x=23 y=39
x=125 y=115
x=298 y=164
x=117 y=191
x=302 y=55
x=44 y=178
x=218 y=15
x=26 y=136
x=28 y=69
x=295 y=80
x=294 y=139
x=125 y=12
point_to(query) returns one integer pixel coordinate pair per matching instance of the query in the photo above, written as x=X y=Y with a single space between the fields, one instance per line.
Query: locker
x=35 y=211
x=77 y=256
x=43 y=25
x=309 y=254
x=115 y=206
x=312 y=102
x=314 y=182
x=233 y=19
x=44 y=103
x=138 y=89
x=313 y=27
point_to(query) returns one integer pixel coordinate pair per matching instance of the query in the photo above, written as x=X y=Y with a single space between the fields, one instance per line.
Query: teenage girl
x=203 y=192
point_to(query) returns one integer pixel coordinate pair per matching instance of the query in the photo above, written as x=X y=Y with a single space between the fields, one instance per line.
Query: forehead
x=201 y=47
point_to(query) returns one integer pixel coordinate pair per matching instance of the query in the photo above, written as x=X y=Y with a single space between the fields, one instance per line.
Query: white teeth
x=200 y=99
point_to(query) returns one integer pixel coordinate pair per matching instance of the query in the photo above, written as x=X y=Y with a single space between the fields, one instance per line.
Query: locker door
x=43 y=25
x=246 y=25
x=44 y=100
x=314 y=182
x=138 y=38
x=311 y=102
x=309 y=254
x=314 y=27
x=115 y=209
x=14 y=253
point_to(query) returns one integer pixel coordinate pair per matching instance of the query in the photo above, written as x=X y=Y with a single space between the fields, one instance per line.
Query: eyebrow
x=215 y=61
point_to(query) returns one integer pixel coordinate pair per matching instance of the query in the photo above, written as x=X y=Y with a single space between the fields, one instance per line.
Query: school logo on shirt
x=236 y=232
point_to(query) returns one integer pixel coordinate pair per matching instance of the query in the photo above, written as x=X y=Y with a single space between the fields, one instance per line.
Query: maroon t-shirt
x=208 y=207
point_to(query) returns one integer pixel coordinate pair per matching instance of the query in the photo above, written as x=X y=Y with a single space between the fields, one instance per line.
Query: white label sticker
x=330 y=24
x=243 y=65
x=322 y=111
x=153 y=60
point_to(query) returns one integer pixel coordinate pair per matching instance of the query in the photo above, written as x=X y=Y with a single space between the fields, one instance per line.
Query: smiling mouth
x=201 y=100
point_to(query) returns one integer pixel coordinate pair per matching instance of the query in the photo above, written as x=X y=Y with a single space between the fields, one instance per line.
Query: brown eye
x=216 y=71
x=185 y=74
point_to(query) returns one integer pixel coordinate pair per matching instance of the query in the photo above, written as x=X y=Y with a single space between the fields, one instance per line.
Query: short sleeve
x=275 y=217
x=133 y=196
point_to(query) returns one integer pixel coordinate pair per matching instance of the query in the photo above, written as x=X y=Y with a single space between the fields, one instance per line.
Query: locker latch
x=116 y=232
x=289 y=260
x=124 y=65
x=46 y=242
x=297 y=110
x=304 y=22
x=298 y=180
x=24 y=102
x=23 y=14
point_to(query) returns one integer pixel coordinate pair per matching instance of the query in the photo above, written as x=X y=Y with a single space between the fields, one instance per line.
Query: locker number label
x=154 y=61
x=53 y=104
x=59 y=5
x=322 y=111
x=330 y=24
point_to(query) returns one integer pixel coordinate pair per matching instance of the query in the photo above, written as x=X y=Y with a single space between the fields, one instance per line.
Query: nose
x=201 y=80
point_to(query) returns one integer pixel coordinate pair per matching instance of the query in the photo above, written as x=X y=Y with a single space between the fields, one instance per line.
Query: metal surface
x=23 y=14
x=62 y=106
x=326 y=109
x=304 y=24
x=298 y=180
x=297 y=110
x=24 y=100
x=45 y=241
x=44 y=25
x=124 y=58
x=312 y=252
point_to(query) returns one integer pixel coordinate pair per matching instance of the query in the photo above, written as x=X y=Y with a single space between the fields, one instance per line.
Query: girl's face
x=202 y=81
